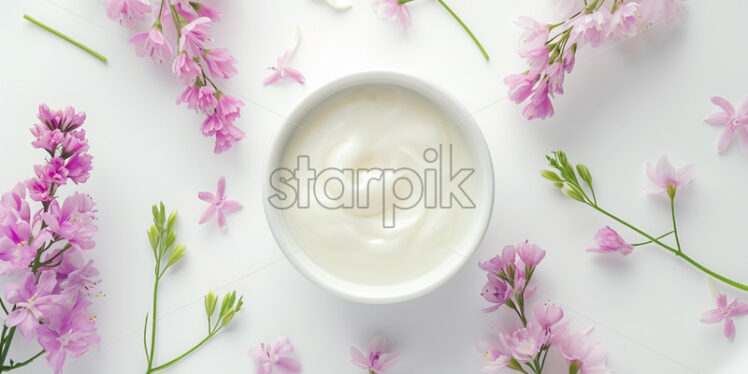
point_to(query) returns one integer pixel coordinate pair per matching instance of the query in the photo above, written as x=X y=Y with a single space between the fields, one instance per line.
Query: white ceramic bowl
x=484 y=194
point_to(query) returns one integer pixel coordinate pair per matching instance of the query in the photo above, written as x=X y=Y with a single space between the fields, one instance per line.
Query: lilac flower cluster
x=187 y=23
x=550 y=49
x=44 y=252
x=524 y=348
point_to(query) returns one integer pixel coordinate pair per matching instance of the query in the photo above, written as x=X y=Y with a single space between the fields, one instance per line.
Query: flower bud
x=176 y=254
x=551 y=176
x=153 y=237
x=226 y=319
x=210 y=303
x=171 y=221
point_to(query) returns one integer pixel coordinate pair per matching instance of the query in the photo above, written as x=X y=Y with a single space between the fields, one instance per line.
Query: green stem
x=675 y=251
x=675 y=227
x=22 y=364
x=464 y=26
x=174 y=361
x=153 y=322
x=65 y=37
x=649 y=241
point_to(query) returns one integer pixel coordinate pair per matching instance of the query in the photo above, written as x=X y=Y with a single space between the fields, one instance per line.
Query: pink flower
x=725 y=312
x=70 y=334
x=608 y=241
x=496 y=291
x=520 y=86
x=74 y=221
x=218 y=204
x=590 y=28
x=75 y=142
x=547 y=314
x=524 y=343
x=18 y=244
x=555 y=75
x=205 y=11
x=494 y=359
x=190 y=95
x=194 y=36
x=380 y=358
x=537 y=59
x=393 y=10
x=152 y=43
x=45 y=138
x=186 y=69
x=534 y=35
x=81 y=280
x=78 y=167
x=206 y=99
x=666 y=179
x=229 y=107
x=282 y=70
x=540 y=105
x=34 y=302
x=269 y=357
x=653 y=11
x=530 y=254
x=584 y=353
x=13 y=205
x=226 y=137
x=127 y=11
x=624 y=22
x=732 y=120
x=64 y=120
x=220 y=62
x=569 y=59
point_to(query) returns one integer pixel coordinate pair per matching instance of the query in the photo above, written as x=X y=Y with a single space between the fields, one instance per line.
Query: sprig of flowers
x=50 y=282
x=666 y=180
x=186 y=24
x=399 y=10
x=550 y=49
x=525 y=348
x=162 y=237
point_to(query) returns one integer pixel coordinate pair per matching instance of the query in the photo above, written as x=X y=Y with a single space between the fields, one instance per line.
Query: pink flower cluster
x=550 y=49
x=525 y=347
x=186 y=24
x=43 y=252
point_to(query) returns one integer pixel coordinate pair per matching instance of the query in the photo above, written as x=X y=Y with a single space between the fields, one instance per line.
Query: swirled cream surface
x=375 y=185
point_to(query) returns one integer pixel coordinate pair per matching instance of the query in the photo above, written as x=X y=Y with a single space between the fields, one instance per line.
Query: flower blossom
x=725 y=312
x=127 y=11
x=70 y=335
x=666 y=179
x=35 y=301
x=509 y=273
x=734 y=122
x=218 y=204
x=584 y=354
x=275 y=356
x=380 y=358
x=393 y=10
x=152 y=43
x=282 y=70
x=608 y=241
x=195 y=36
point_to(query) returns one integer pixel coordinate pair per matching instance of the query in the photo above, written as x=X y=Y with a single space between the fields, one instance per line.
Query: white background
x=625 y=104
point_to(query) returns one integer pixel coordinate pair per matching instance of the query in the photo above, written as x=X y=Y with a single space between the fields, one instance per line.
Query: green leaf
x=210 y=303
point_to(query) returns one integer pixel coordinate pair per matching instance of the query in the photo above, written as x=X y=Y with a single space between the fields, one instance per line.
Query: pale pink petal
x=742 y=135
x=403 y=15
x=266 y=368
x=221 y=191
x=724 y=104
x=739 y=309
x=206 y=196
x=273 y=77
x=387 y=360
x=722 y=301
x=378 y=344
x=15 y=317
x=288 y=364
x=724 y=139
x=231 y=206
x=717 y=119
x=358 y=359
x=295 y=75
x=208 y=214
x=685 y=175
x=712 y=316
x=743 y=111
x=282 y=346
x=729 y=329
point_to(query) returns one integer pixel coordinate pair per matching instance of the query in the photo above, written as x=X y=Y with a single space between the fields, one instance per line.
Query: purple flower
x=13 y=205
x=379 y=359
x=45 y=138
x=229 y=108
x=81 y=280
x=218 y=204
x=75 y=142
x=530 y=254
x=725 y=312
x=520 y=86
x=34 y=302
x=186 y=69
x=206 y=99
x=194 y=36
x=190 y=95
x=547 y=314
x=733 y=121
x=496 y=291
x=220 y=62
x=74 y=221
x=540 y=105
x=78 y=167
x=69 y=334
x=152 y=43
x=53 y=172
x=227 y=136
x=64 y=120
x=274 y=356
x=17 y=248
x=608 y=241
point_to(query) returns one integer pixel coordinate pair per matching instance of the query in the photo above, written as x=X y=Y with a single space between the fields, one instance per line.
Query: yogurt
x=375 y=184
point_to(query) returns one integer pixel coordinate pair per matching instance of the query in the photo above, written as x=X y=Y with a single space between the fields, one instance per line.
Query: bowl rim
x=315 y=273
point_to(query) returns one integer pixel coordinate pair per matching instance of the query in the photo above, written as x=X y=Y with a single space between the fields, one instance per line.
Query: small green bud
x=156 y=220
x=171 y=237
x=559 y=184
x=514 y=365
x=575 y=194
x=153 y=237
x=551 y=176
x=226 y=304
x=176 y=254
x=171 y=221
x=671 y=191
x=210 y=303
x=240 y=303
x=226 y=318
x=584 y=173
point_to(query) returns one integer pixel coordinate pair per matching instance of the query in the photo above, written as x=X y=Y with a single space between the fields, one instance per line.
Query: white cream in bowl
x=380 y=187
